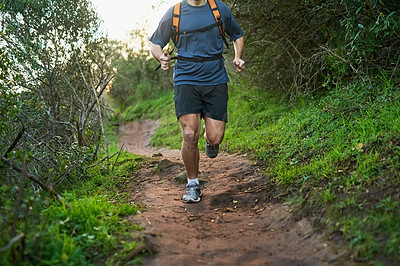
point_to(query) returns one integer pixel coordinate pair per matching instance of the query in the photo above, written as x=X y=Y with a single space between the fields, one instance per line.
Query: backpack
x=175 y=32
x=176 y=20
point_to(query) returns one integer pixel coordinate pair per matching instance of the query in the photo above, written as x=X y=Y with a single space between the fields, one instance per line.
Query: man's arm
x=163 y=57
x=239 y=47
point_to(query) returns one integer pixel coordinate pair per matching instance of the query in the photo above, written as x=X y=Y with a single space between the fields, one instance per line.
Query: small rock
x=182 y=178
x=157 y=155
x=202 y=177
x=164 y=164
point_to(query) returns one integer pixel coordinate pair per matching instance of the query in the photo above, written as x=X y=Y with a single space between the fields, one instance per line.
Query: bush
x=136 y=79
x=300 y=47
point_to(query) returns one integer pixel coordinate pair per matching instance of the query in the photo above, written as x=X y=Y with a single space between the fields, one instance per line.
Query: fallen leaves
x=359 y=147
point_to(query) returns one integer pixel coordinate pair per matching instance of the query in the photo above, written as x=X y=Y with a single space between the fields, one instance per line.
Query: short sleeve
x=230 y=25
x=163 y=32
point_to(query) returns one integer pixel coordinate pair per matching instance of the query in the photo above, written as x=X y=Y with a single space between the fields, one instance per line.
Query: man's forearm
x=156 y=51
x=238 y=61
x=239 y=47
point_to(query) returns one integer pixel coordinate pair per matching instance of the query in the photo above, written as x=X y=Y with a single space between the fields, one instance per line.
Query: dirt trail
x=238 y=221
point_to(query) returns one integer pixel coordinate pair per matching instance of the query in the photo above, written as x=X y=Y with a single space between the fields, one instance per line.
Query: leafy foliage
x=92 y=230
x=136 y=79
x=303 y=46
x=52 y=75
x=57 y=56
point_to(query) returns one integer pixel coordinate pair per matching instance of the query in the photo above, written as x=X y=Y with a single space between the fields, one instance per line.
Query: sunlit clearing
x=123 y=16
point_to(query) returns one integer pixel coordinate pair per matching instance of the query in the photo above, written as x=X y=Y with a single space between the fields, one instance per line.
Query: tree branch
x=116 y=160
x=103 y=87
x=12 y=242
x=102 y=160
x=15 y=142
x=48 y=188
x=295 y=48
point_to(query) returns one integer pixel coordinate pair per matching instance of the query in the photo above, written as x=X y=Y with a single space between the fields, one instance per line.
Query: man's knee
x=190 y=125
x=190 y=135
x=215 y=139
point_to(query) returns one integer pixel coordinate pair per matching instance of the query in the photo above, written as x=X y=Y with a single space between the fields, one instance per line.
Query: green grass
x=168 y=133
x=333 y=151
x=337 y=152
x=111 y=180
x=86 y=232
x=93 y=230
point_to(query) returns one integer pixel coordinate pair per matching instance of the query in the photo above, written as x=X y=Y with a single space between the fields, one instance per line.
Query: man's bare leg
x=214 y=131
x=190 y=124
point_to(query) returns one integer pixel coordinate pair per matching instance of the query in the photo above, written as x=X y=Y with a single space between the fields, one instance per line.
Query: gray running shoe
x=193 y=193
x=211 y=151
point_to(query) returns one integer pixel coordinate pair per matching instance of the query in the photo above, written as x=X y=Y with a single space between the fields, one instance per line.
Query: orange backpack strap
x=177 y=16
x=217 y=15
x=175 y=22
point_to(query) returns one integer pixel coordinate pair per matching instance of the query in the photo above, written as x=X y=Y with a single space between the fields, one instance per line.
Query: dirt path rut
x=238 y=221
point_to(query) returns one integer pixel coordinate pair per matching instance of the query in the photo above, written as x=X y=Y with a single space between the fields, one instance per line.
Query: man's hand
x=239 y=46
x=164 y=59
x=239 y=64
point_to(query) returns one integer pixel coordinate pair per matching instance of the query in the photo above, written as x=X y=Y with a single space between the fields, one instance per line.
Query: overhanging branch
x=48 y=188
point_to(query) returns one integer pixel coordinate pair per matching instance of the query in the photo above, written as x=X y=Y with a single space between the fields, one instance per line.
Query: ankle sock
x=195 y=180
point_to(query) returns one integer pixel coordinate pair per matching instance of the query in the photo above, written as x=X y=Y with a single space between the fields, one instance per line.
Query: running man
x=200 y=78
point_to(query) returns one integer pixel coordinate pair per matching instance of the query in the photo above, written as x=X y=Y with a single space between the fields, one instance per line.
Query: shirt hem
x=184 y=82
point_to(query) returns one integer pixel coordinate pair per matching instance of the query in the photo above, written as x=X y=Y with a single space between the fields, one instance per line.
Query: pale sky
x=122 y=16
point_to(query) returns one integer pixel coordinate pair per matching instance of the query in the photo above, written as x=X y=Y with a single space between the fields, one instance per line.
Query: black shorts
x=211 y=100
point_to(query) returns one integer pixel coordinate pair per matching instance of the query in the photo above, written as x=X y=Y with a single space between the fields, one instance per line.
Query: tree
x=52 y=76
x=58 y=54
